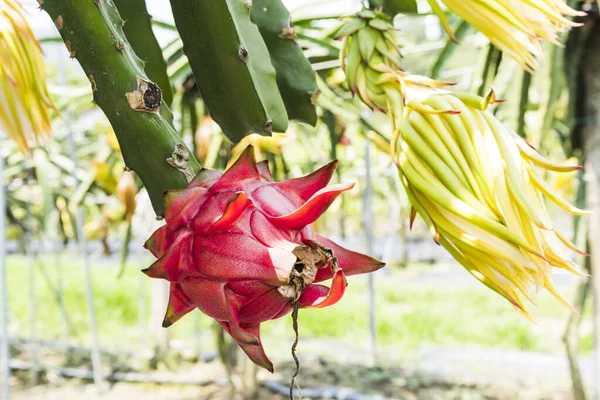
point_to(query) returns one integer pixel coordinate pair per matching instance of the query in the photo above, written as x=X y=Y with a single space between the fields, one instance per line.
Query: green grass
x=411 y=317
x=408 y=316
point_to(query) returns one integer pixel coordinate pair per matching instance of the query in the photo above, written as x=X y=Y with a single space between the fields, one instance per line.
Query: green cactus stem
x=92 y=32
x=232 y=67
x=138 y=30
x=295 y=77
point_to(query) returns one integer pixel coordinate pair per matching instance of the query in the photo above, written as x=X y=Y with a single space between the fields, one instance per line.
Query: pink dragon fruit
x=241 y=248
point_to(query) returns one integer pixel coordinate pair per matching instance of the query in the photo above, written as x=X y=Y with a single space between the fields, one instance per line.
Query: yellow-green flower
x=477 y=186
x=516 y=27
x=371 y=59
x=24 y=100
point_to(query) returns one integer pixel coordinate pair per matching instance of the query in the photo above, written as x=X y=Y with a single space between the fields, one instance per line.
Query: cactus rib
x=295 y=77
x=138 y=30
x=232 y=66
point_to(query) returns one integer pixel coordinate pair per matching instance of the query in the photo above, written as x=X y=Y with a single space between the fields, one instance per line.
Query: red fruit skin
x=227 y=247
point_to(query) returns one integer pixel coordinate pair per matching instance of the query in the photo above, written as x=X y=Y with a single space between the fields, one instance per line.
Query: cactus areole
x=240 y=248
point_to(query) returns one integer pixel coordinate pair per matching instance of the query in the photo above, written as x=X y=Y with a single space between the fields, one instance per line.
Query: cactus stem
x=294 y=74
x=142 y=124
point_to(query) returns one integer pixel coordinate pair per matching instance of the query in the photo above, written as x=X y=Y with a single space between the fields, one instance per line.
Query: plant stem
x=231 y=65
x=138 y=29
x=93 y=34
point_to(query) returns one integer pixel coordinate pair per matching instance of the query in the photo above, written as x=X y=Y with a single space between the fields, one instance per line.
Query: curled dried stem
x=293 y=383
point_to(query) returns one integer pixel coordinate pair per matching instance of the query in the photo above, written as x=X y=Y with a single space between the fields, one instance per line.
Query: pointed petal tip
x=264 y=170
x=169 y=320
x=171 y=317
x=155 y=272
x=262 y=362
x=238 y=203
x=178 y=306
x=351 y=262
x=306 y=186
x=245 y=167
x=378 y=266
x=333 y=165
x=254 y=351
x=249 y=152
x=413 y=215
x=312 y=209
x=319 y=296
x=247 y=156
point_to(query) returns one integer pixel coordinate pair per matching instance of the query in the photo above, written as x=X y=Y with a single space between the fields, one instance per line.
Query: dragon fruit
x=240 y=248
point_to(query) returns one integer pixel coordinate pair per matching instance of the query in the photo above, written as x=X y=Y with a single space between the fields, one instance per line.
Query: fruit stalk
x=92 y=32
